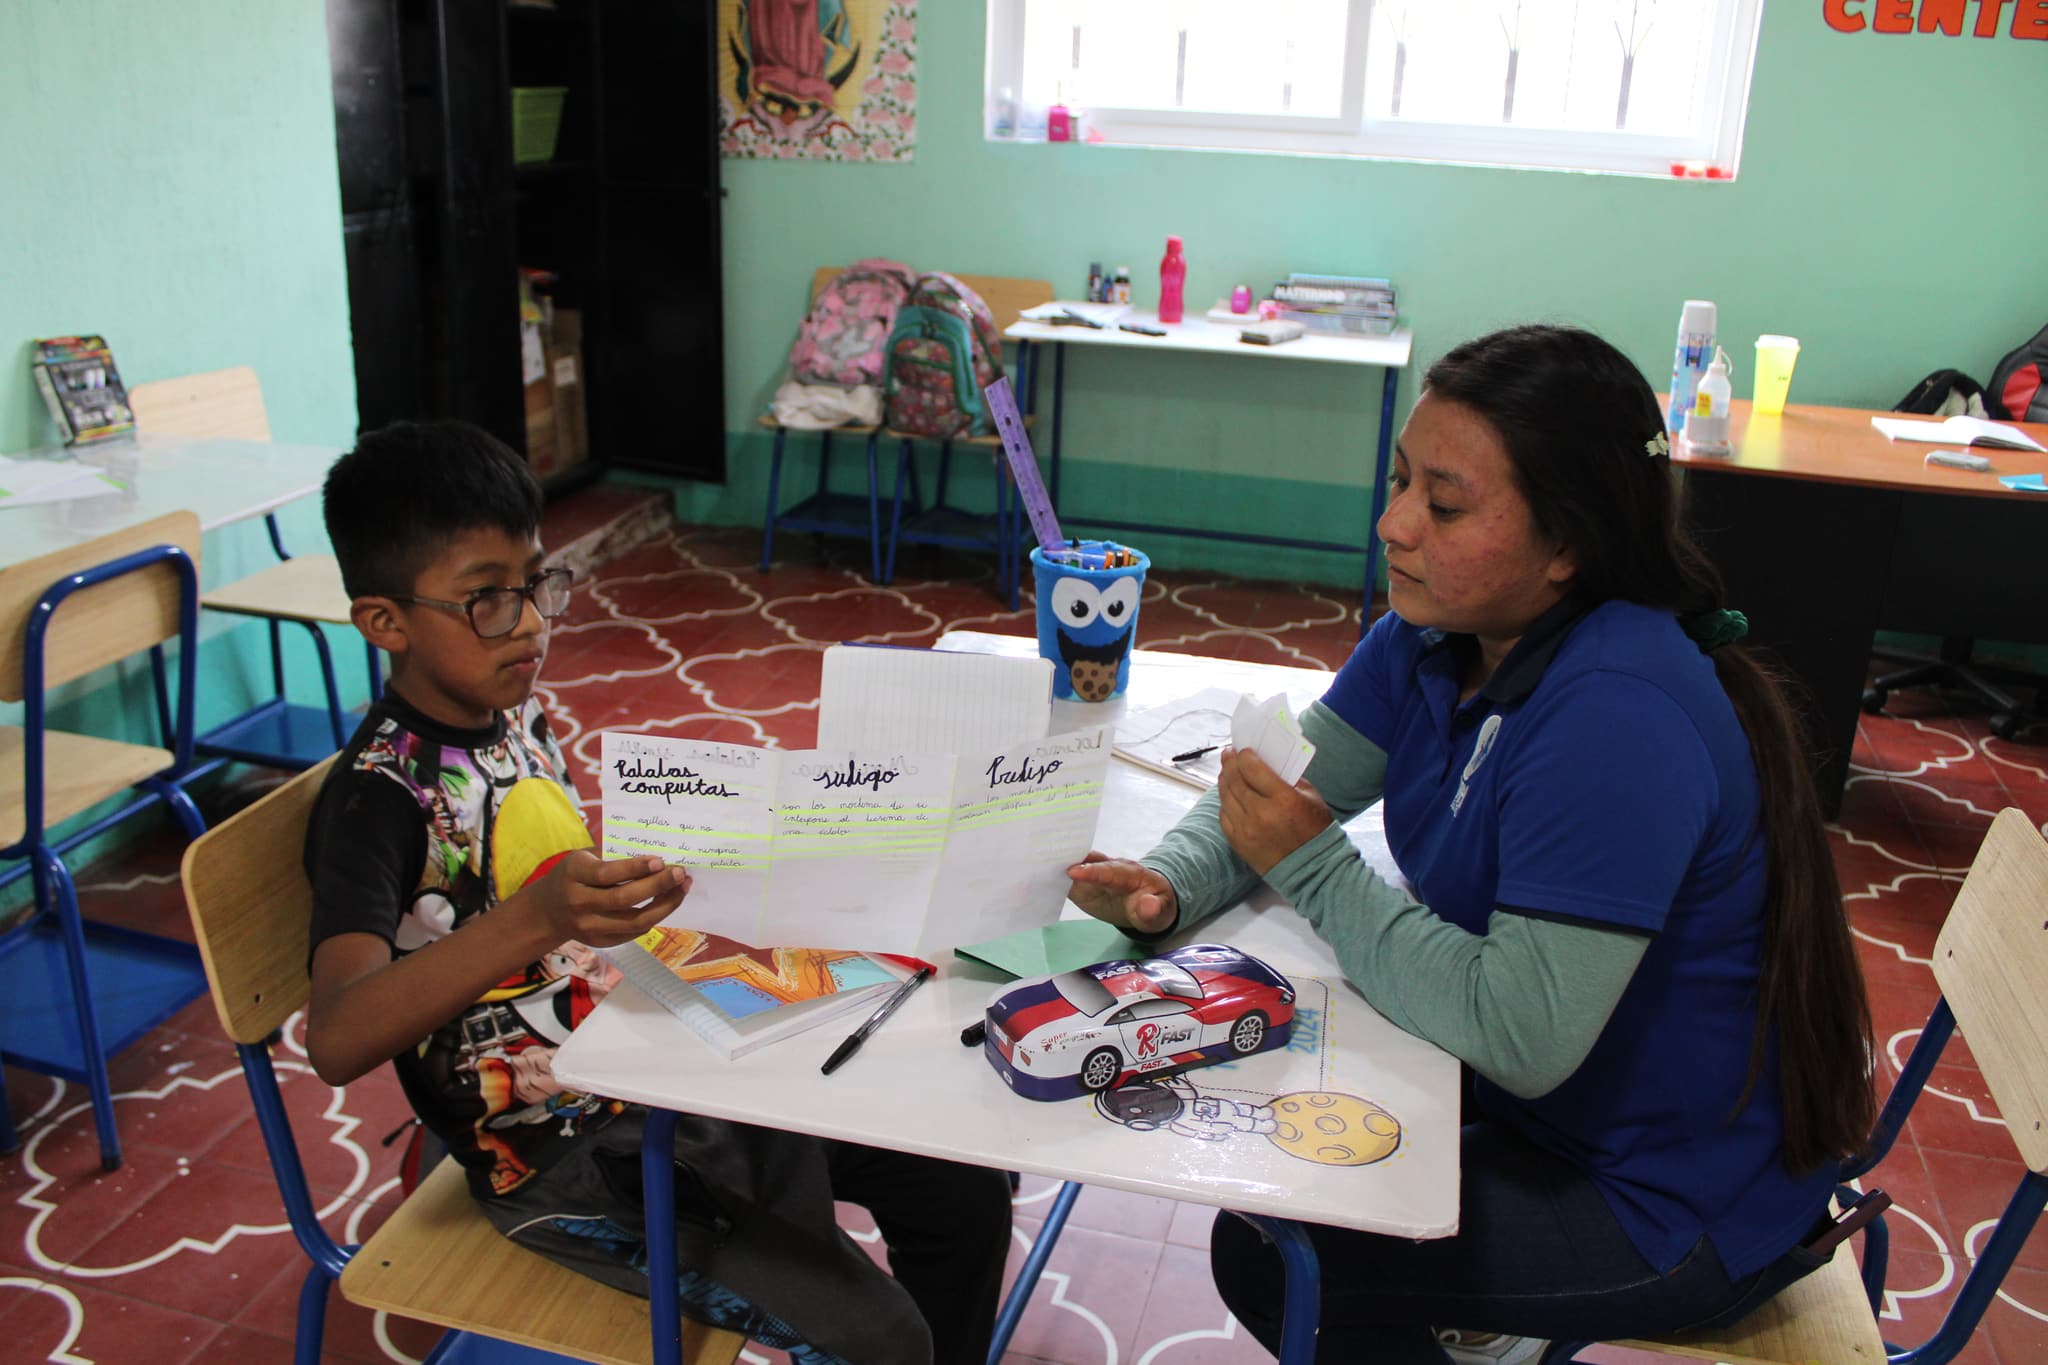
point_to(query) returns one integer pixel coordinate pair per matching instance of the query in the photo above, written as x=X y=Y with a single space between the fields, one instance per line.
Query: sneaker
x=1488 y=1348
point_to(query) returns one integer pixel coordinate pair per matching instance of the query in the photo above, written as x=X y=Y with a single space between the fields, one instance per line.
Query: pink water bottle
x=1173 y=274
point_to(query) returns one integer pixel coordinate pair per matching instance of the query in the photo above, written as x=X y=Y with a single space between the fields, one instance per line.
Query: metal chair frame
x=176 y=977
x=238 y=738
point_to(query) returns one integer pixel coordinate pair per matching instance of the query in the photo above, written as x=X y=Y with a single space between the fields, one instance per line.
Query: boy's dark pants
x=754 y=1217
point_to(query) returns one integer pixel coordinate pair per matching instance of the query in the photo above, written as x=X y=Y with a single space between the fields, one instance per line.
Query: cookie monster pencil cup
x=1088 y=615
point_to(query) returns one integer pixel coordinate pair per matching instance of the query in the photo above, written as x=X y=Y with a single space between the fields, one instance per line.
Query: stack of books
x=1338 y=305
x=737 y=997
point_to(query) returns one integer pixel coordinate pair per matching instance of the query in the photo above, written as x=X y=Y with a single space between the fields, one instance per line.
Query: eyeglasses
x=493 y=612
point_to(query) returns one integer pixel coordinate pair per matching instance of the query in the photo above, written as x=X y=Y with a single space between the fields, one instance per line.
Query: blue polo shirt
x=1602 y=776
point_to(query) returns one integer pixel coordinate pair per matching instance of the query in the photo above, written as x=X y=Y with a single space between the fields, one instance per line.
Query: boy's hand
x=599 y=903
x=1127 y=894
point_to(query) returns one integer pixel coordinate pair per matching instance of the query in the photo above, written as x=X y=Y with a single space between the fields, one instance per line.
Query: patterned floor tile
x=52 y=1319
x=2017 y=1321
x=1088 y=1303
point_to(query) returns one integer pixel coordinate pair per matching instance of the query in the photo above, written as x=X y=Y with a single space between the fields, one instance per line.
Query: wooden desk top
x=1838 y=445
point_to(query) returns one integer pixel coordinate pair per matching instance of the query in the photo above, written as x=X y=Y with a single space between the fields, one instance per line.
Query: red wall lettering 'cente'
x=2029 y=17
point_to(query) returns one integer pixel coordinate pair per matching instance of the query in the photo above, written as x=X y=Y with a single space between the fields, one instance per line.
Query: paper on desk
x=2025 y=483
x=1268 y=728
x=931 y=700
x=1958 y=430
x=25 y=483
x=1151 y=738
x=1103 y=314
x=1064 y=946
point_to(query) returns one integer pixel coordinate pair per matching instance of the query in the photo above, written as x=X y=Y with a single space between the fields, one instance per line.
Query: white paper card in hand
x=1268 y=729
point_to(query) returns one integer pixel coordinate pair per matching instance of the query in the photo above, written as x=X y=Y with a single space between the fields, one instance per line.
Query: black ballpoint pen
x=1194 y=754
x=874 y=1021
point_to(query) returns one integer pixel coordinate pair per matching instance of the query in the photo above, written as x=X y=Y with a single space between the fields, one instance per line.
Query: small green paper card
x=1062 y=946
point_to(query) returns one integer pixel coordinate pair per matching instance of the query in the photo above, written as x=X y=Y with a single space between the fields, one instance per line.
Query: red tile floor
x=182 y=1253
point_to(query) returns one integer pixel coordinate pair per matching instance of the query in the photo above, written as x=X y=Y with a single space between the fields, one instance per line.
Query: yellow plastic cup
x=1775 y=357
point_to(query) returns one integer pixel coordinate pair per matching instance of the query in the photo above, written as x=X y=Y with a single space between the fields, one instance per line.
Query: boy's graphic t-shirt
x=419 y=828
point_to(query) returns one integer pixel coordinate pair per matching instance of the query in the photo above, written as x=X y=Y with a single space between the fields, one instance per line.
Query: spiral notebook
x=737 y=997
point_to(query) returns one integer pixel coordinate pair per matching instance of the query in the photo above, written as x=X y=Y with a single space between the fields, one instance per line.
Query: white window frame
x=1720 y=115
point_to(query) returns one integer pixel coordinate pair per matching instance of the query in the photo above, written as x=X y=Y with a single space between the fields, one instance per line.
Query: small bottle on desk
x=1706 y=429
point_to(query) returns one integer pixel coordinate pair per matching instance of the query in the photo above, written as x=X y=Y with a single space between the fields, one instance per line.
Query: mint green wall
x=169 y=182
x=1865 y=221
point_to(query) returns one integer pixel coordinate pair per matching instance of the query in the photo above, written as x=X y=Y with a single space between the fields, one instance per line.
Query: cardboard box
x=543 y=450
x=568 y=391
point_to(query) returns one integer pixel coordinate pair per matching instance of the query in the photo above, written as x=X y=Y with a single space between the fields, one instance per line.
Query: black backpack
x=1933 y=394
x=2018 y=392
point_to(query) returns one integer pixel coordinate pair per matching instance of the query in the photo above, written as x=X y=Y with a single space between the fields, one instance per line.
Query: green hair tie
x=1712 y=629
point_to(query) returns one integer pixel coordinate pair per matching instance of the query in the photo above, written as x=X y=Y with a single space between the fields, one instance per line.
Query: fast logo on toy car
x=1151 y=1037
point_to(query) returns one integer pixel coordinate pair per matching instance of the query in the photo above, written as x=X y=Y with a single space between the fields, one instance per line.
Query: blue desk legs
x=1389 y=387
x=658 y=1190
x=1303 y=1309
x=1034 y=1265
x=1379 y=493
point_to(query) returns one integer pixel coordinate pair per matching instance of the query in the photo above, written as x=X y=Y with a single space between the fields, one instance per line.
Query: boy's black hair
x=397 y=498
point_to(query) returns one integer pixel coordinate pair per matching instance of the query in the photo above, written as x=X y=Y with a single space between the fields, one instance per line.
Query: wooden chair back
x=1991 y=961
x=223 y=403
x=252 y=908
x=1005 y=296
x=98 y=625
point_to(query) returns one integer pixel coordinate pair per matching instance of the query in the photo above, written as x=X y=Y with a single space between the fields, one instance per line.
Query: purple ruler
x=1002 y=409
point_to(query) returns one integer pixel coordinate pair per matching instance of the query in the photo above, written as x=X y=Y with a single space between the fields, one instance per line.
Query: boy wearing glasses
x=457 y=904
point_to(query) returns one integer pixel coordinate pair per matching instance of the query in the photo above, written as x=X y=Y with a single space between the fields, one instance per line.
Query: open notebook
x=1958 y=430
x=737 y=998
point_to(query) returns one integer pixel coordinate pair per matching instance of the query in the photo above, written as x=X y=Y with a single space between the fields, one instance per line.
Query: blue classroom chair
x=76 y=993
x=437 y=1259
x=823 y=511
x=943 y=523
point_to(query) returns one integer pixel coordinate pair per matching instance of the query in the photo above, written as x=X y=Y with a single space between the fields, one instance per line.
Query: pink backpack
x=844 y=339
x=943 y=352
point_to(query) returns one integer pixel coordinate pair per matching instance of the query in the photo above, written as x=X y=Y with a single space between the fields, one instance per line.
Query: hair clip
x=1660 y=444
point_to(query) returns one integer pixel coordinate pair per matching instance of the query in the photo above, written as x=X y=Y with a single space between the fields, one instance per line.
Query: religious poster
x=821 y=80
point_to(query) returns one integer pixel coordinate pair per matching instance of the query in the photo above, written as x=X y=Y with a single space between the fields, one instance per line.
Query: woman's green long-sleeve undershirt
x=1522 y=1004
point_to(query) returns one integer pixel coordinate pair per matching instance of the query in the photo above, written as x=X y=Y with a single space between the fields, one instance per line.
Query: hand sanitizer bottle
x=1689 y=361
x=1706 y=429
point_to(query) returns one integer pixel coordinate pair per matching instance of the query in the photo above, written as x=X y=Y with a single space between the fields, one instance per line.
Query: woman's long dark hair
x=1582 y=429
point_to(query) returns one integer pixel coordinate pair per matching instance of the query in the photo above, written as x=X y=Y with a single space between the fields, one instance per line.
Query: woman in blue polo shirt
x=1624 y=916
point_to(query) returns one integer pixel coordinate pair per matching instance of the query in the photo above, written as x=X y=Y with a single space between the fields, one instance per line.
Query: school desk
x=1196 y=335
x=223 y=481
x=1825 y=533
x=913 y=1087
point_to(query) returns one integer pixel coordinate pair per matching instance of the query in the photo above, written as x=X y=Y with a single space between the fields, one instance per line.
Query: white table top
x=1197 y=333
x=223 y=481
x=913 y=1087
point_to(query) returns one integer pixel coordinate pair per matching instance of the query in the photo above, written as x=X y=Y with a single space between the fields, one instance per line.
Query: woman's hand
x=1263 y=818
x=1127 y=894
